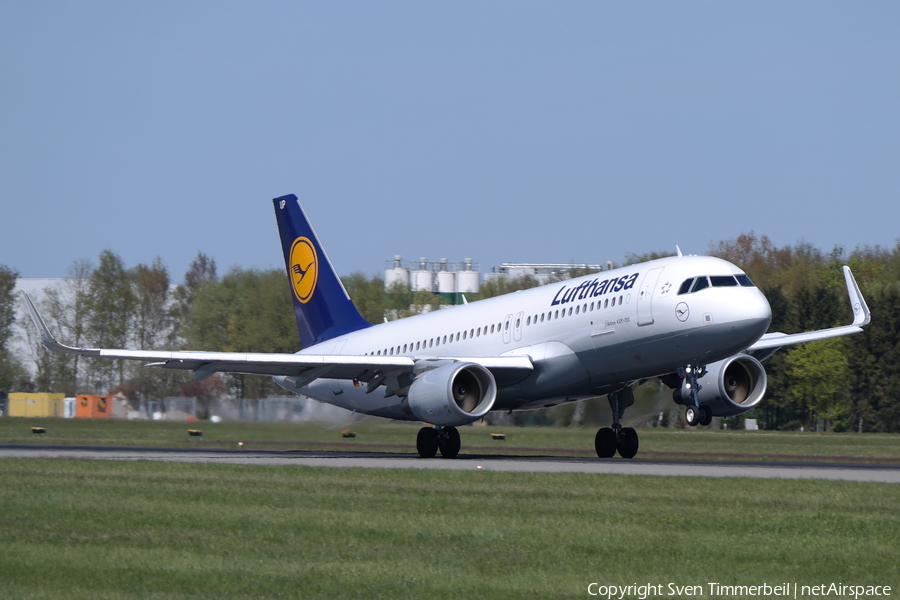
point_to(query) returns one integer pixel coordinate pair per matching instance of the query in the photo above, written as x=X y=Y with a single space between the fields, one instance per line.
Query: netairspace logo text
x=719 y=590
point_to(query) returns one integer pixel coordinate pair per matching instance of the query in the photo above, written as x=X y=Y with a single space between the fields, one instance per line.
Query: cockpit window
x=699 y=284
x=745 y=281
x=723 y=280
x=695 y=284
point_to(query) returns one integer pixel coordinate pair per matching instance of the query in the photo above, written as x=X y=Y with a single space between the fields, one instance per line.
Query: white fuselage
x=586 y=337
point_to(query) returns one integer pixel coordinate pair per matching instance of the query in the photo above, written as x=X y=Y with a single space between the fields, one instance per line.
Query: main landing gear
x=623 y=440
x=432 y=439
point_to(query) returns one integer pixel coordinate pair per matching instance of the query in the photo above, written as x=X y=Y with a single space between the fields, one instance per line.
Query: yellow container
x=35 y=405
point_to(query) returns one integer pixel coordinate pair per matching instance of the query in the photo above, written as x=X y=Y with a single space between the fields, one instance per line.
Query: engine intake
x=451 y=395
x=730 y=387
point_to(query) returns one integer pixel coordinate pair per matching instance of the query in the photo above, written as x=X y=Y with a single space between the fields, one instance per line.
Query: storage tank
x=396 y=273
x=468 y=280
x=446 y=283
x=421 y=278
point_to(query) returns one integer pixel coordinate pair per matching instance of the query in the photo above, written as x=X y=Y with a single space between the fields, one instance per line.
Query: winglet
x=861 y=314
x=47 y=338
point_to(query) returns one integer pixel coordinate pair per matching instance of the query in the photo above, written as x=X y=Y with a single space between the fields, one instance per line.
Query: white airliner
x=697 y=323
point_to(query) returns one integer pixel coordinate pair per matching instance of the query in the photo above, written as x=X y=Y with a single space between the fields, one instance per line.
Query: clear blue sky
x=500 y=131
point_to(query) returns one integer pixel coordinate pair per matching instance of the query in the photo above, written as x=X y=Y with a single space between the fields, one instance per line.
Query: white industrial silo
x=468 y=281
x=446 y=283
x=396 y=273
x=421 y=278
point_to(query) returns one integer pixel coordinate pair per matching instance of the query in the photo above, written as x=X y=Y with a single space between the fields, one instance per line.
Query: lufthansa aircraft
x=697 y=323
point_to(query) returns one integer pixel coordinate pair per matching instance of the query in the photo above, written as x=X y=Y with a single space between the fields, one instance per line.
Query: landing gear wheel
x=705 y=415
x=692 y=416
x=605 y=443
x=427 y=442
x=449 y=443
x=627 y=442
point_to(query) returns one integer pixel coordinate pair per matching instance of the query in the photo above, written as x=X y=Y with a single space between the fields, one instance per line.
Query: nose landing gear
x=695 y=413
x=701 y=415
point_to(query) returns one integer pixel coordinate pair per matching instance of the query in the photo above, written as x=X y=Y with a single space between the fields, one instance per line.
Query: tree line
x=842 y=384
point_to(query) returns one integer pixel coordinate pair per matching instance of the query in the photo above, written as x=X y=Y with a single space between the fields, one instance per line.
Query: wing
x=302 y=368
x=771 y=342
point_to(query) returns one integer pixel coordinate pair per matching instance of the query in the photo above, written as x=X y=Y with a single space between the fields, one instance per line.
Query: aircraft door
x=645 y=296
x=517 y=330
x=507 y=326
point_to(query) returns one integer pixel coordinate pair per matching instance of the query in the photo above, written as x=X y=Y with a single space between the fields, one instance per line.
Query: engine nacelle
x=455 y=394
x=730 y=387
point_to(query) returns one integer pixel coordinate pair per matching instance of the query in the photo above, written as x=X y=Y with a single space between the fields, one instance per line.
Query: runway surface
x=470 y=462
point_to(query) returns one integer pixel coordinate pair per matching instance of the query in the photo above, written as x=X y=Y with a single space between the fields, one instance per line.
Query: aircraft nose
x=758 y=310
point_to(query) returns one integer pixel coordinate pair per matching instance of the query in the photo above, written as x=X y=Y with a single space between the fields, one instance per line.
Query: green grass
x=381 y=435
x=98 y=529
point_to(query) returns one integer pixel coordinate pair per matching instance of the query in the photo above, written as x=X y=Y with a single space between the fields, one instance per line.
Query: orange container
x=92 y=407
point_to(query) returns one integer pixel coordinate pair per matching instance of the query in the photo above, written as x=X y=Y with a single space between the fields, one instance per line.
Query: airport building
x=544 y=272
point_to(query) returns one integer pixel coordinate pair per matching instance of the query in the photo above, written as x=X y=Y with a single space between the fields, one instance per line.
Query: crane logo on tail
x=304 y=269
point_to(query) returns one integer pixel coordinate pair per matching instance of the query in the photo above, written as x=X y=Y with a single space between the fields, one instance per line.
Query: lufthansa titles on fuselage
x=594 y=288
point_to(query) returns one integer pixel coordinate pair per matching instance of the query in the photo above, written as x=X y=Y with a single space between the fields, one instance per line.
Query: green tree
x=816 y=307
x=151 y=327
x=150 y=289
x=874 y=358
x=205 y=392
x=805 y=288
x=201 y=271
x=757 y=256
x=820 y=375
x=399 y=297
x=245 y=311
x=69 y=307
x=12 y=371
x=632 y=259
x=504 y=284
x=401 y=301
x=14 y=377
x=580 y=271
x=110 y=306
x=8 y=279
x=62 y=308
x=368 y=294
x=262 y=319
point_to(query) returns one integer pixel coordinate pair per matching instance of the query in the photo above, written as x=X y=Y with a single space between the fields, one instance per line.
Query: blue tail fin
x=321 y=304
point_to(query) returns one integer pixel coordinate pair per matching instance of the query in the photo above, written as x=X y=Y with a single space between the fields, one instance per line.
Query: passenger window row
x=480 y=331
x=574 y=310
x=437 y=341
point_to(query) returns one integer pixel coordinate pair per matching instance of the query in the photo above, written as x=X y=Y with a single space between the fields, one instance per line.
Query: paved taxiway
x=540 y=464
